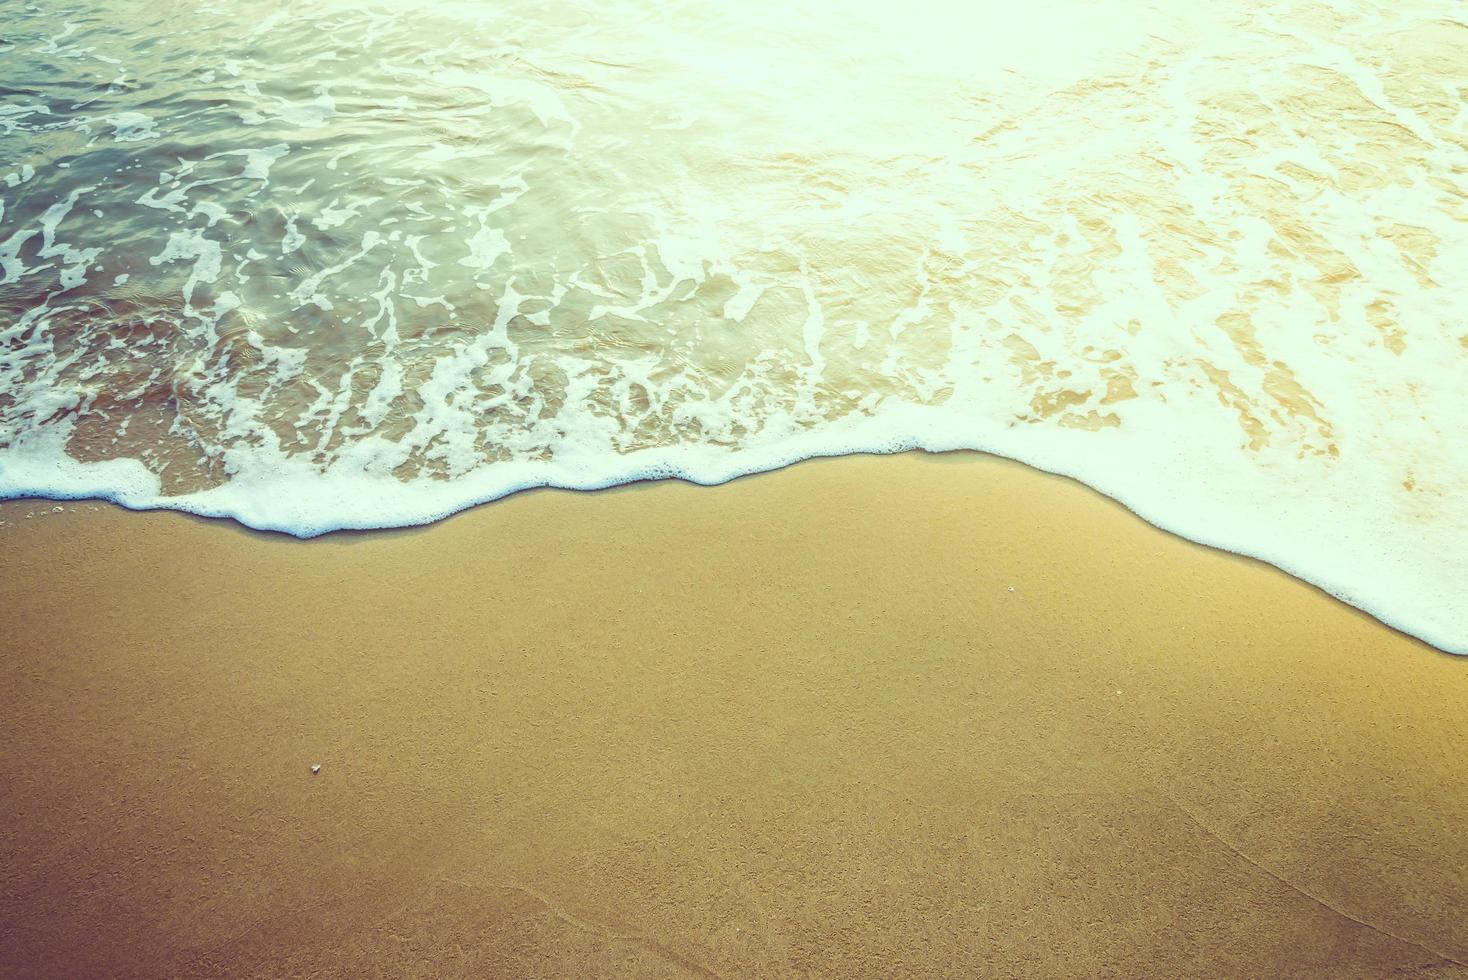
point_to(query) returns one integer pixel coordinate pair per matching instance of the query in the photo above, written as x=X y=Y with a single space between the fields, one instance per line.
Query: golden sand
x=861 y=717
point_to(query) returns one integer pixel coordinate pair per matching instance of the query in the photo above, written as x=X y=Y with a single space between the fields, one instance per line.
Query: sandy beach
x=907 y=716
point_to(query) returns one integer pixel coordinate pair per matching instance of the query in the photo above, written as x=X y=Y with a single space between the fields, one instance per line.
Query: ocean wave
x=363 y=267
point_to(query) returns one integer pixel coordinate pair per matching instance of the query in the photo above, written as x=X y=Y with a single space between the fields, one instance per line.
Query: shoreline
x=183 y=506
x=792 y=723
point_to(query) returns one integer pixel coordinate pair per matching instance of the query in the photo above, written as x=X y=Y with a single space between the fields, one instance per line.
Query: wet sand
x=862 y=717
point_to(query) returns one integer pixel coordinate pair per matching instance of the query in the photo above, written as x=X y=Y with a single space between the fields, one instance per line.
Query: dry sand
x=795 y=725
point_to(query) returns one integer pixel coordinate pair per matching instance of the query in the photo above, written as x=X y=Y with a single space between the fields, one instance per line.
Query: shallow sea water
x=322 y=264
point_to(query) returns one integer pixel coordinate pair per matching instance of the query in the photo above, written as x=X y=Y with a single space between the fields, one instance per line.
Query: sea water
x=318 y=264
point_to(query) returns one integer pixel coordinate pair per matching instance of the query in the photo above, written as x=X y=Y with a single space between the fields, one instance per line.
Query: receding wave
x=328 y=265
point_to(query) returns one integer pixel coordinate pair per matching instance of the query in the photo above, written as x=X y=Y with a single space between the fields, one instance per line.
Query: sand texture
x=865 y=717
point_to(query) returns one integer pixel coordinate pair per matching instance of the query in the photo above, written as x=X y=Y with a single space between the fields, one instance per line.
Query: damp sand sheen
x=358 y=267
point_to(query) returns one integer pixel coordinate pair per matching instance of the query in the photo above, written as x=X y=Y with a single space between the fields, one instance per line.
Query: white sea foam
x=1321 y=538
